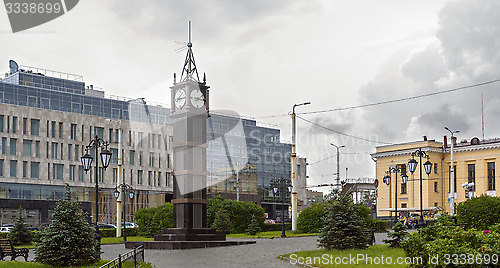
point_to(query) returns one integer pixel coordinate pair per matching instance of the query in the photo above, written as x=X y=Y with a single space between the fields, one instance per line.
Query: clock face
x=180 y=98
x=197 y=98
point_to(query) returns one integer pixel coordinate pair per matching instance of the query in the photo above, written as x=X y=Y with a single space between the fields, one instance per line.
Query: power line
x=341 y=133
x=390 y=101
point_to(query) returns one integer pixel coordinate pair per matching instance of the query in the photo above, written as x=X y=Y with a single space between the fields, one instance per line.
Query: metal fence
x=131 y=259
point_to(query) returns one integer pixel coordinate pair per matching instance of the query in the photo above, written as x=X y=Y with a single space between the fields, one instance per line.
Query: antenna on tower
x=189 y=72
x=482 y=115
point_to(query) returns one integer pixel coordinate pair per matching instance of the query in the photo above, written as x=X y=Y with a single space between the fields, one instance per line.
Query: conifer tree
x=69 y=239
x=254 y=226
x=19 y=235
x=222 y=223
x=397 y=236
x=343 y=226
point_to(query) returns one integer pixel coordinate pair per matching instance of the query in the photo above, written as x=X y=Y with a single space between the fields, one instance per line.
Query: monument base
x=180 y=238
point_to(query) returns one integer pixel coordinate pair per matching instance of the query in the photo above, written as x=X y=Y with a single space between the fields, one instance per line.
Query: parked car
x=130 y=225
x=5 y=229
x=270 y=221
x=106 y=226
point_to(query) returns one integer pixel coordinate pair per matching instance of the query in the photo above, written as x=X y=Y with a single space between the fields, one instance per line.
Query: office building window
x=139 y=139
x=99 y=131
x=54 y=150
x=101 y=175
x=140 y=159
x=491 y=176
x=114 y=156
x=57 y=171
x=139 y=177
x=115 y=175
x=1 y=123
x=403 y=188
x=37 y=148
x=4 y=145
x=153 y=140
x=159 y=178
x=35 y=127
x=131 y=157
x=13 y=168
x=454 y=179
x=77 y=154
x=403 y=205
x=151 y=159
x=167 y=179
x=35 y=170
x=436 y=187
x=72 y=173
x=149 y=177
x=73 y=132
x=435 y=204
x=70 y=148
x=471 y=173
x=13 y=146
x=27 y=148
x=80 y=173
x=435 y=168
x=25 y=126
x=60 y=130
x=14 y=124
x=25 y=169
x=53 y=128
x=110 y=135
x=1 y=167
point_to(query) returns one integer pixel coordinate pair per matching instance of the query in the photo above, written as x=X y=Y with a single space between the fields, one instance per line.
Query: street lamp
x=412 y=165
x=401 y=168
x=452 y=173
x=124 y=188
x=469 y=189
x=294 y=154
x=282 y=183
x=87 y=159
x=338 y=163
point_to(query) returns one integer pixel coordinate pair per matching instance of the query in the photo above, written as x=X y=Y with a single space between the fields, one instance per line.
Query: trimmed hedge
x=112 y=232
x=268 y=227
x=153 y=221
x=479 y=213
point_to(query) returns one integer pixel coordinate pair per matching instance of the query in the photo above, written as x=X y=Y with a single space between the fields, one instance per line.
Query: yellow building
x=474 y=162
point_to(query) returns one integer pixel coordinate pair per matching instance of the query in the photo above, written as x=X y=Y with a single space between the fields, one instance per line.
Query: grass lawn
x=270 y=234
x=15 y=264
x=334 y=258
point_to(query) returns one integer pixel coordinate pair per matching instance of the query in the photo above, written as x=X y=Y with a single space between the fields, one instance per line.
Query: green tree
x=236 y=211
x=397 y=236
x=254 y=226
x=311 y=219
x=343 y=226
x=19 y=235
x=70 y=239
x=222 y=223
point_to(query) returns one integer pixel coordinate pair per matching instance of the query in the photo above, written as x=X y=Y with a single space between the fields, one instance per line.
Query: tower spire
x=189 y=72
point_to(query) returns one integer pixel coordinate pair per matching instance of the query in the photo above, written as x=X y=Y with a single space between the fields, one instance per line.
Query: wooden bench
x=7 y=249
x=370 y=236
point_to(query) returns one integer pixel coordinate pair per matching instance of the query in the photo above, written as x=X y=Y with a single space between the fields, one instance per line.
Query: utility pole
x=119 y=210
x=452 y=172
x=338 y=164
x=294 y=154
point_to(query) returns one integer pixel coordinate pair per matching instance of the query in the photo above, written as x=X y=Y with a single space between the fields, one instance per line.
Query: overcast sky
x=261 y=57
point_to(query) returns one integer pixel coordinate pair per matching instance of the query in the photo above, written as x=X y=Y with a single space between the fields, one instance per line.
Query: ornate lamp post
x=87 y=159
x=282 y=183
x=401 y=168
x=412 y=165
x=124 y=188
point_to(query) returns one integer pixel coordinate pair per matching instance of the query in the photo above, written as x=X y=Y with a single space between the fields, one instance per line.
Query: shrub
x=222 y=224
x=479 y=213
x=445 y=239
x=70 y=239
x=153 y=221
x=397 y=236
x=112 y=232
x=19 y=234
x=237 y=211
x=253 y=227
x=311 y=219
x=344 y=226
x=378 y=226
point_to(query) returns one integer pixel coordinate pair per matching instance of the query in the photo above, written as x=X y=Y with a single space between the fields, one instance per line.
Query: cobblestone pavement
x=262 y=254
